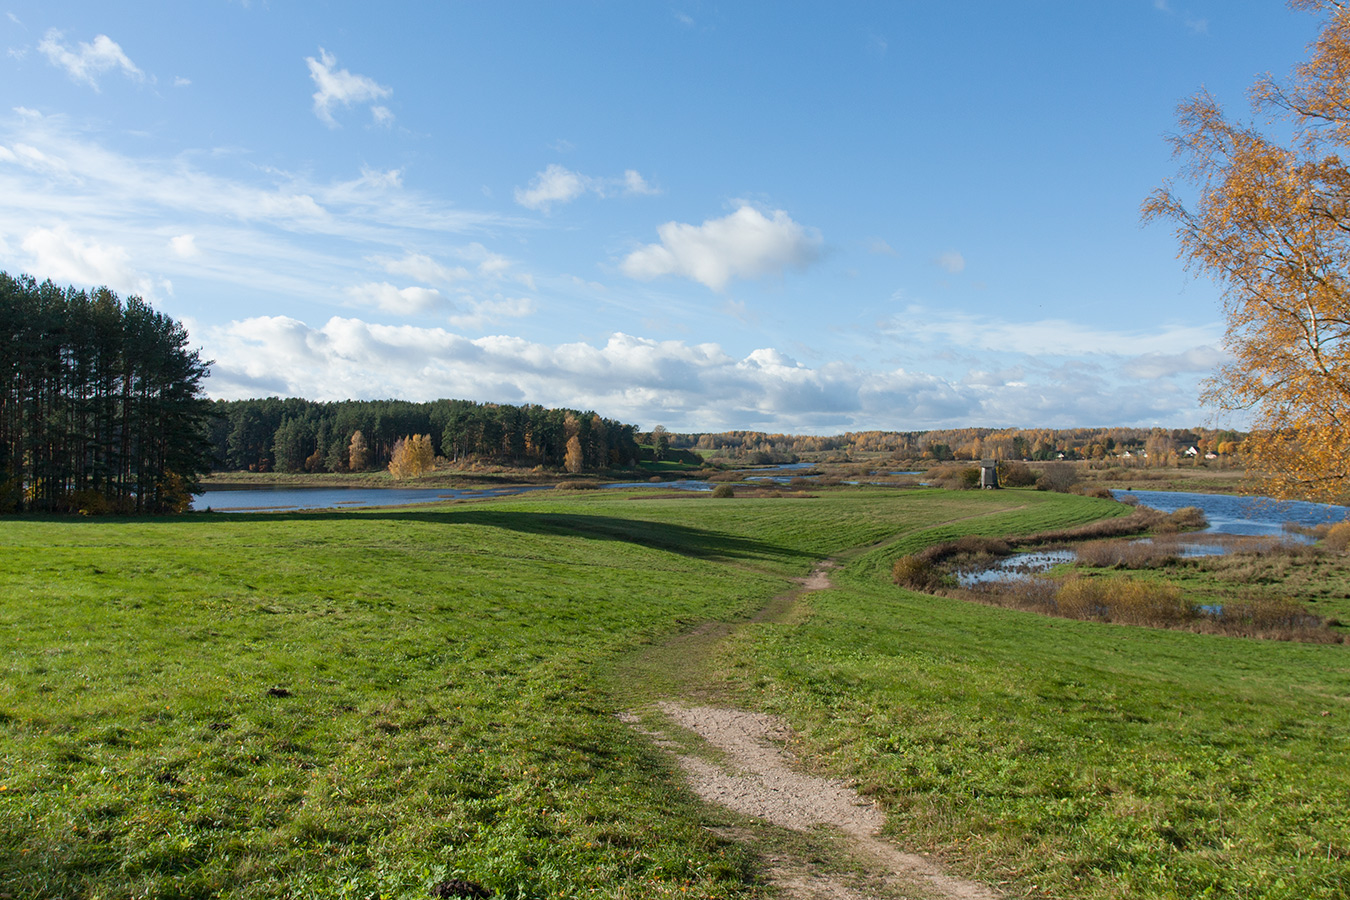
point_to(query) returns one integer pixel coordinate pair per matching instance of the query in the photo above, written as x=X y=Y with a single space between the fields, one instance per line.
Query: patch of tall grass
x=1155 y=604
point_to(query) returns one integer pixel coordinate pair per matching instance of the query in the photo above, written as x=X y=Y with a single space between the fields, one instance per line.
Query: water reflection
x=1229 y=516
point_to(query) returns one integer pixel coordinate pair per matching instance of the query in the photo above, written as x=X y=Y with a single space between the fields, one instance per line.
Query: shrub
x=1016 y=474
x=1338 y=537
x=723 y=491
x=963 y=478
x=1057 y=477
x=917 y=573
x=1122 y=600
x=1125 y=554
x=971 y=545
x=1189 y=517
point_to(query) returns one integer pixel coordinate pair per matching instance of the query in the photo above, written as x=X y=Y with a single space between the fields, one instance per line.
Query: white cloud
x=685 y=386
x=1047 y=337
x=184 y=245
x=490 y=311
x=88 y=61
x=407 y=301
x=952 y=261
x=744 y=244
x=634 y=183
x=421 y=267
x=340 y=87
x=65 y=257
x=269 y=231
x=880 y=247
x=557 y=185
x=1167 y=365
x=553 y=185
x=180 y=81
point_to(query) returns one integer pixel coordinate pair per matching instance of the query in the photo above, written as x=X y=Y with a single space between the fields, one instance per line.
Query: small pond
x=1228 y=515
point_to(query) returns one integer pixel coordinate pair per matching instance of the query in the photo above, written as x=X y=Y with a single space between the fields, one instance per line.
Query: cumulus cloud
x=64 y=256
x=952 y=261
x=87 y=62
x=685 y=386
x=339 y=87
x=557 y=185
x=744 y=244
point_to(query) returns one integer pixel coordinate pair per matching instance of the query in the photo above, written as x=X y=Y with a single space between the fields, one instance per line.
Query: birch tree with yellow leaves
x=1269 y=220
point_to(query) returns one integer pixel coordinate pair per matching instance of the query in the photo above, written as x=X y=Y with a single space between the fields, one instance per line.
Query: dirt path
x=760 y=780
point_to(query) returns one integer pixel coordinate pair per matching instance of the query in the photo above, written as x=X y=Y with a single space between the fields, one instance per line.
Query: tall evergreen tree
x=100 y=402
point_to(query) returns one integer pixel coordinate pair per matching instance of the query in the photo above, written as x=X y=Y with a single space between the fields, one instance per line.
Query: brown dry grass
x=1154 y=604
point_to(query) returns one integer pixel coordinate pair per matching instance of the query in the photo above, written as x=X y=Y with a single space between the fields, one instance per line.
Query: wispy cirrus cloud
x=744 y=244
x=86 y=63
x=1047 y=337
x=267 y=231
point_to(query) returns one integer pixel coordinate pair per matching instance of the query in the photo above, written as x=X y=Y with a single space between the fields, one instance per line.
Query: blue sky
x=781 y=216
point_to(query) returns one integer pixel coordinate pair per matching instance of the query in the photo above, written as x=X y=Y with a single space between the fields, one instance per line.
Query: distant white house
x=1191 y=451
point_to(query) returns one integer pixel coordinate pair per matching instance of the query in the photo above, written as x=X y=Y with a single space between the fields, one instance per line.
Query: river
x=1227 y=514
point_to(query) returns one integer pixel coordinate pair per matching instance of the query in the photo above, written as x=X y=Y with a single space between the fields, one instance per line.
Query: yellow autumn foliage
x=1271 y=224
x=412 y=456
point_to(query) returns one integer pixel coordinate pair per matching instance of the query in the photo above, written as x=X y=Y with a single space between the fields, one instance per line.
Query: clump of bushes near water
x=1154 y=604
x=1119 y=599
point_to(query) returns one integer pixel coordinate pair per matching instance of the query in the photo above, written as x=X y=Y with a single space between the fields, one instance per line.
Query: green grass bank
x=364 y=703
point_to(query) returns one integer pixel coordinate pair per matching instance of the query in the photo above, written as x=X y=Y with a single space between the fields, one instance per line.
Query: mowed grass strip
x=363 y=703
x=1071 y=759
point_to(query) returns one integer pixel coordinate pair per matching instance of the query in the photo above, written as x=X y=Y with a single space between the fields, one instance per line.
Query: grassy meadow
x=365 y=703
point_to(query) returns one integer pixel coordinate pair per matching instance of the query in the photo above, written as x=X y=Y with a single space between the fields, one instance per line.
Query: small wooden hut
x=988 y=475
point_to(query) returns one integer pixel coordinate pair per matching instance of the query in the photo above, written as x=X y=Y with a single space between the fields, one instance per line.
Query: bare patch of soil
x=760 y=780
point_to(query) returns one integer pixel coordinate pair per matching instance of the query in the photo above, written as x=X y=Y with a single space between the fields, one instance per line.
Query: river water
x=292 y=499
x=1257 y=516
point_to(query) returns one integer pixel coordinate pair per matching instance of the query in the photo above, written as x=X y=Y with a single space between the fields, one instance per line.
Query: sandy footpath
x=760 y=780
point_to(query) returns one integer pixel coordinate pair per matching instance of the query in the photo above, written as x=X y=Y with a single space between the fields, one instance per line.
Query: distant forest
x=295 y=435
x=1160 y=446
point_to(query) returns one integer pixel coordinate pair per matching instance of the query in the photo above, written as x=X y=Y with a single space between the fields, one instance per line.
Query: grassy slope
x=445 y=712
x=450 y=711
x=1084 y=760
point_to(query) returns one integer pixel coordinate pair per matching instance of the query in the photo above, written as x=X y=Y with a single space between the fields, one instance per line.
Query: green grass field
x=361 y=704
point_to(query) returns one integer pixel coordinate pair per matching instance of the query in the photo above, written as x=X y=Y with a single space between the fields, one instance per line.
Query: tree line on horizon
x=272 y=434
x=101 y=405
x=1160 y=445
